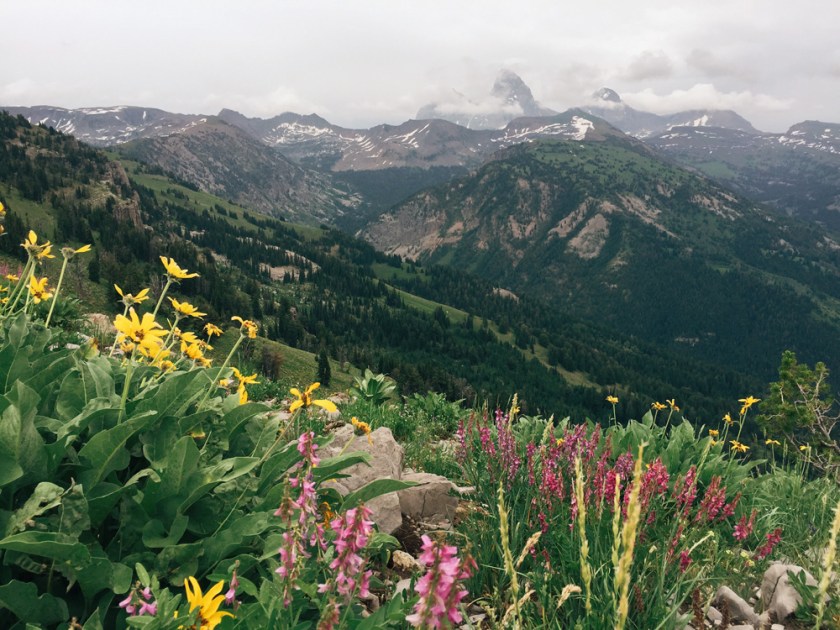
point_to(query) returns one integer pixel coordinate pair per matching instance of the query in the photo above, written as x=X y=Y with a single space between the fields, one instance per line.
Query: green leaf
x=48 y=545
x=156 y=537
x=103 y=497
x=371 y=490
x=175 y=394
x=328 y=467
x=105 y=451
x=45 y=497
x=22 y=449
x=23 y=600
x=88 y=382
x=142 y=574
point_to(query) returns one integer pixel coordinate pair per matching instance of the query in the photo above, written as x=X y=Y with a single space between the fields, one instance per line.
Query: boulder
x=386 y=461
x=430 y=497
x=780 y=598
x=739 y=610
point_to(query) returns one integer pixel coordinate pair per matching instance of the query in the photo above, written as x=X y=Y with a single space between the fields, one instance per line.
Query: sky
x=359 y=63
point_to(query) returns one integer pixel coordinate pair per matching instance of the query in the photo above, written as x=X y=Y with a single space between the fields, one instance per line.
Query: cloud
x=704 y=96
x=17 y=91
x=457 y=103
x=650 y=64
x=280 y=99
x=710 y=64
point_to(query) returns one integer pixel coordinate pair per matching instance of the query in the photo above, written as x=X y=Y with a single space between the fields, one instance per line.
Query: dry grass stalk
x=628 y=543
x=585 y=569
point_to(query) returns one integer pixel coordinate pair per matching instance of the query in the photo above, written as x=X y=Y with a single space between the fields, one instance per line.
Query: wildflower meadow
x=142 y=487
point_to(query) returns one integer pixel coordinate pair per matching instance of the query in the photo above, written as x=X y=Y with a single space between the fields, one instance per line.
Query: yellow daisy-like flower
x=714 y=442
x=192 y=351
x=247 y=328
x=129 y=299
x=364 y=427
x=561 y=441
x=188 y=337
x=738 y=446
x=2 y=209
x=305 y=399
x=12 y=277
x=613 y=400
x=174 y=271
x=728 y=419
x=186 y=309
x=673 y=404
x=69 y=252
x=209 y=615
x=748 y=402
x=38 y=289
x=804 y=447
x=35 y=249
x=657 y=406
x=146 y=332
x=769 y=442
x=212 y=329
x=714 y=432
x=245 y=380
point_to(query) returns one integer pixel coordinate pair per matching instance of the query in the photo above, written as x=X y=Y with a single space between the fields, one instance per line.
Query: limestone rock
x=739 y=610
x=777 y=593
x=430 y=497
x=405 y=562
x=386 y=462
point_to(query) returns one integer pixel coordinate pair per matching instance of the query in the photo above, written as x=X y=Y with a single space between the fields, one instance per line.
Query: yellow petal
x=326 y=404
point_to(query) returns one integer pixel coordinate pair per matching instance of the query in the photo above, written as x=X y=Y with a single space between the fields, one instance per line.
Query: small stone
x=405 y=562
x=777 y=626
x=713 y=614
x=739 y=610
x=402 y=585
x=779 y=596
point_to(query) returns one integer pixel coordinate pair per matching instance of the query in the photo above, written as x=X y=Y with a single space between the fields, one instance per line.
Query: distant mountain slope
x=621 y=237
x=797 y=172
x=609 y=106
x=106 y=126
x=224 y=160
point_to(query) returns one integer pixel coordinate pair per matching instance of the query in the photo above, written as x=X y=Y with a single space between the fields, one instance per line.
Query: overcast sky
x=363 y=62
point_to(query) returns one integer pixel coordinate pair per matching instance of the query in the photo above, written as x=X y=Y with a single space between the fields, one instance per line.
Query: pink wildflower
x=353 y=529
x=713 y=501
x=439 y=589
x=685 y=560
x=307 y=447
x=143 y=599
x=686 y=491
x=744 y=527
x=230 y=595
x=773 y=539
x=507 y=445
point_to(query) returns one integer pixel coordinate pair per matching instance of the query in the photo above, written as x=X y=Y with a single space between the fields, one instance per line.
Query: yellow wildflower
x=129 y=299
x=804 y=447
x=212 y=329
x=714 y=442
x=728 y=419
x=247 y=328
x=35 y=249
x=673 y=404
x=192 y=351
x=174 y=271
x=69 y=252
x=146 y=332
x=748 y=402
x=613 y=400
x=364 y=427
x=769 y=442
x=657 y=406
x=305 y=399
x=186 y=309
x=738 y=446
x=714 y=432
x=209 y=615
x=12 y=277
x=561 y=441
x=2 y=209
x=38 y=289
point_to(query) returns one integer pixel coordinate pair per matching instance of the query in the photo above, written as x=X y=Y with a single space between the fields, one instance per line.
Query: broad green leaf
x=23 y=601
x=105 y=451
x=155 y=535
x=82 y=385
x=45 y=497
x=48 y=545
x=175 y=394
x=99 y=574
x=234 y=420
x=226 y=470
x=371 y=490
x=328 y=467
x=103 y=497
x=21 y=447
x=93 y=622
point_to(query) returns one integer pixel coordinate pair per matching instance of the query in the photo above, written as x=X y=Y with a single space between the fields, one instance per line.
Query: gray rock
x=430 y=497
x=743 y=626
x=777 y=626
x=405 y=562
x=386 y=462
x=739 y=610
x=777 y=593
x=714 y=615
x=402 y=585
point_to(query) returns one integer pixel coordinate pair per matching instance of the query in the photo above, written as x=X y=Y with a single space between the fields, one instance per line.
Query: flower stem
x=22 y=282
x=129 y=372
x=57 y=289
x=162 y=294
x=221 y=369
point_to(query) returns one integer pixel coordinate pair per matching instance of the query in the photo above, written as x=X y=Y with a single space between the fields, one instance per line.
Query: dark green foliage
x=324 y=372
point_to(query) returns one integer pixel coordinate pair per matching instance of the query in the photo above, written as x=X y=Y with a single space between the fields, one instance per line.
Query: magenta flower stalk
x=772 y=539
x=440 y=588
x=137 y=604
x=744 y=527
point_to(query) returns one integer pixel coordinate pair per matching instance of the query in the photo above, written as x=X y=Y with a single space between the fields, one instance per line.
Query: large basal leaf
x=55 y=546
x=105 y=451
x=155 y=535
x=22 y=450
x=45 y=497
x=226 y=470
x=103 y=497
x=175 y=394
x=89 y=381
x=371 y=490
x=101 y=574
x=329 y=467
x=23 y=600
